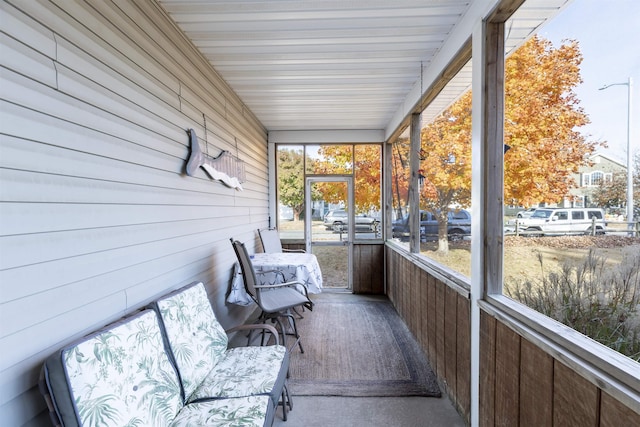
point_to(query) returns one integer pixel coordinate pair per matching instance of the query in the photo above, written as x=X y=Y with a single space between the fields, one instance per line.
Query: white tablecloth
x=301 y=267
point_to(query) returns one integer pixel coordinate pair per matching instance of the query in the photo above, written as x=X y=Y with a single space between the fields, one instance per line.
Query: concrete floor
x=323 y=411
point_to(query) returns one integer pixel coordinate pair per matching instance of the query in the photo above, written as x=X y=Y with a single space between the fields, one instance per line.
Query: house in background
x=603 y=169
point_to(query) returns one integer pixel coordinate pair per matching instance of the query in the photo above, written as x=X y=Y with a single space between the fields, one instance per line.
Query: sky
x=609 y=35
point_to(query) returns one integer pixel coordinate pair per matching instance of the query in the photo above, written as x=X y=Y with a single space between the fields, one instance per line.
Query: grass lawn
x=597 y=296
x=522 y=254
x=528 y=262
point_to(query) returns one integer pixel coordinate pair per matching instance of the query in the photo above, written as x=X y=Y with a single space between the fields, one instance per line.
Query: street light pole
x=629 y=85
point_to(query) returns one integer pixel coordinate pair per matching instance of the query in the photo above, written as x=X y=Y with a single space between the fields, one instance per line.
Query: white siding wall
x=97 y=215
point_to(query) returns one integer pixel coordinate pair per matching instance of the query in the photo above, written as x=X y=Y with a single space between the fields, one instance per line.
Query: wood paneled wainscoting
x=368 y=268
x=367 y=265
x=437 y=312
x=533 y=371
x=533 y=378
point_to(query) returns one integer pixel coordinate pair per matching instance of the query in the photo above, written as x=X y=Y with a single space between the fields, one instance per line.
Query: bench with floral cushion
x=167 y=365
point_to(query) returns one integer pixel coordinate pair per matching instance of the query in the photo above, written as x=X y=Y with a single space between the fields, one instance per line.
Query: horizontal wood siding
x=439 y=318
x=98 y=215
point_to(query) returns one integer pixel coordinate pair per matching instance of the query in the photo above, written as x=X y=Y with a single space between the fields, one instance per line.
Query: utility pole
x=630 y=224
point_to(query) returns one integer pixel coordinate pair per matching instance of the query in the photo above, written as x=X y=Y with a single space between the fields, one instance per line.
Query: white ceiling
x=331 y=64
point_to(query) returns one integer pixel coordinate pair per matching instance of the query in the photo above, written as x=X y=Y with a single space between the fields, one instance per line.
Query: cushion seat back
x=198 y=342
x=120 y=375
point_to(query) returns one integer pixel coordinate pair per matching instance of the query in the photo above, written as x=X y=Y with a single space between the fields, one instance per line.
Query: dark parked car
x=459 y=225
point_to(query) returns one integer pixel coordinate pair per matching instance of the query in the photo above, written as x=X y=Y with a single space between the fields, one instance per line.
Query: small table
x=302 y=267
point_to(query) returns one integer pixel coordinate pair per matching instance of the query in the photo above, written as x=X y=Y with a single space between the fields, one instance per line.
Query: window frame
x=600 y=364
x=352 y=174
x=608 y=369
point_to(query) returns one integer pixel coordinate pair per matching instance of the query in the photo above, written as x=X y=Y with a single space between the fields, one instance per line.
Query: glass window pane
x=290 y=178
x=577 y=270
x=400 y=187
x=445 y=171
x=329 y=159
x=367 y=189
x=362 y=161
x=330 y=218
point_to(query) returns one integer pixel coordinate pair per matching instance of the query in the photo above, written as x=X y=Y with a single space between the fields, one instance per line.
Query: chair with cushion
x=271 y=242
x=123 y=375
x=208 y=368
x=277 y=300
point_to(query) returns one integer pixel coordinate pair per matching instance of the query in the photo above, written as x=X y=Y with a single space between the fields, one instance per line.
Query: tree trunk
x=443 y=238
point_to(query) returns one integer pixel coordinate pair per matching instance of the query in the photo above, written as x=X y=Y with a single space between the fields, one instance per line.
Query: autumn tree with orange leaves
x=400 y=175
x=446 y=164
x=361 y=160
x=542 y=118
x=365 y=162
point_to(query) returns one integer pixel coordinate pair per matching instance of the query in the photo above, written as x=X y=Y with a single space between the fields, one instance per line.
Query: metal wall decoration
x=226 y=167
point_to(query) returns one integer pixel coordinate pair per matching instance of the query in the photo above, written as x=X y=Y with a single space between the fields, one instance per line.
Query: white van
x=559 y=221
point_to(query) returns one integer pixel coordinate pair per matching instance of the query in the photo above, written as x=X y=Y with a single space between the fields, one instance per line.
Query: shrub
x=591 y=297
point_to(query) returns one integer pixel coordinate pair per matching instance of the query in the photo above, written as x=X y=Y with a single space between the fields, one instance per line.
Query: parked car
x=560 y=221
x=526 y=213
x=338 y=220
x=458 y=226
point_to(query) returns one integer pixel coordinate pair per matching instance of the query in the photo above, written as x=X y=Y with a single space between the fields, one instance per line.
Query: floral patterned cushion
x=253 y=411
x=122 y=375
x=245 y=371
x=196 y=338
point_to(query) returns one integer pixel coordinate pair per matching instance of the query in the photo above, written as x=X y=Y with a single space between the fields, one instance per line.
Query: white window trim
x=588 y=181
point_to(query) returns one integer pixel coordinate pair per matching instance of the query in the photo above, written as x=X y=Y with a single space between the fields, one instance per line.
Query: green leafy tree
x=291 y=179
